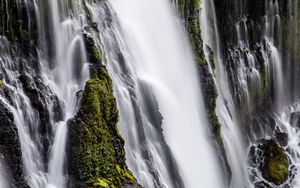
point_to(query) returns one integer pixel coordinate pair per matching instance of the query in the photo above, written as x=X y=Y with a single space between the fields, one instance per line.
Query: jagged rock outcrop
x=95 y=149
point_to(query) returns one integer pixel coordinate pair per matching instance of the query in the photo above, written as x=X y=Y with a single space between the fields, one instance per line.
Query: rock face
x=17 y=23
x=10 y=149
x=282 y=138
x=295 y=119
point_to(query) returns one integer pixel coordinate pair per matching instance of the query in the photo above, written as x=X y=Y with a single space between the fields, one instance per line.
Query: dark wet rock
x=14 y=24
x=262 y=184
x=44 y=101
x=282 y=138
x=94 y=25
x=10 y=149
x=295 y=119
x=94 y=54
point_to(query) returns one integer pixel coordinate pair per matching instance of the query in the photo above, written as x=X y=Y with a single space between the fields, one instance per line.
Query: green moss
x=276 y=166
x=216 y=126
x=190 y=11
x=13 y=26
x=96 y=53
x=27 y=85
x=103 y=183
x=212 y=60
x=185 y=5
x=2 y=84
x=98 y=156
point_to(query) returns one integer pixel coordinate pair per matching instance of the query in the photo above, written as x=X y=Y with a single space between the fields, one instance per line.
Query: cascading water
x=64 y=75
x=3 y=177
x=245 y=74
x=67 y=78
x=147 y=80
x=225 y=104
x=162 y=114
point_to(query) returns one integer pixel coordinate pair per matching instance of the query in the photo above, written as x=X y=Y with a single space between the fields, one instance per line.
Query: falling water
x=3 y=177
x=65 y=75
x=249 y=84
x=162 y=116
x=225 y=105
x=291 y=126
x=158 y=65
x=66 y=82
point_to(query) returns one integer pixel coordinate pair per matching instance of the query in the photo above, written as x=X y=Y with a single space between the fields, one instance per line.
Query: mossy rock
x=276 y=166
x=96 y=54
x=95 y=147
x=15 y=22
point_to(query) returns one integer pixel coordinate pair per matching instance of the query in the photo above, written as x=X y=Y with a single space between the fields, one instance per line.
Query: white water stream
x=161 y=57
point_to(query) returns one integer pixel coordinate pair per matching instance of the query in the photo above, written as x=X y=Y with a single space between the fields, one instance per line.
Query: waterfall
x=159 y=64
x=146 y=54
x=252 y=53
x=226 y=110
x=61 y=77
x=162 y=115
x=249 y=66
x=65 y=80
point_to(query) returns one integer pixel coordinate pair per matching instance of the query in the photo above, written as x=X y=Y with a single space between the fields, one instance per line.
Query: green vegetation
x=185 y=5
x=96 y=54
x=25 y=80
x=12 y=25
x=96 y=147
x=190 y=11
x=2 y=84
x=276 y=166
x=212 y=60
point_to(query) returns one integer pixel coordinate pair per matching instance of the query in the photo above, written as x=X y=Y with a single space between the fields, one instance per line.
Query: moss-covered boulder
x=276 y=166
x=95 y=148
